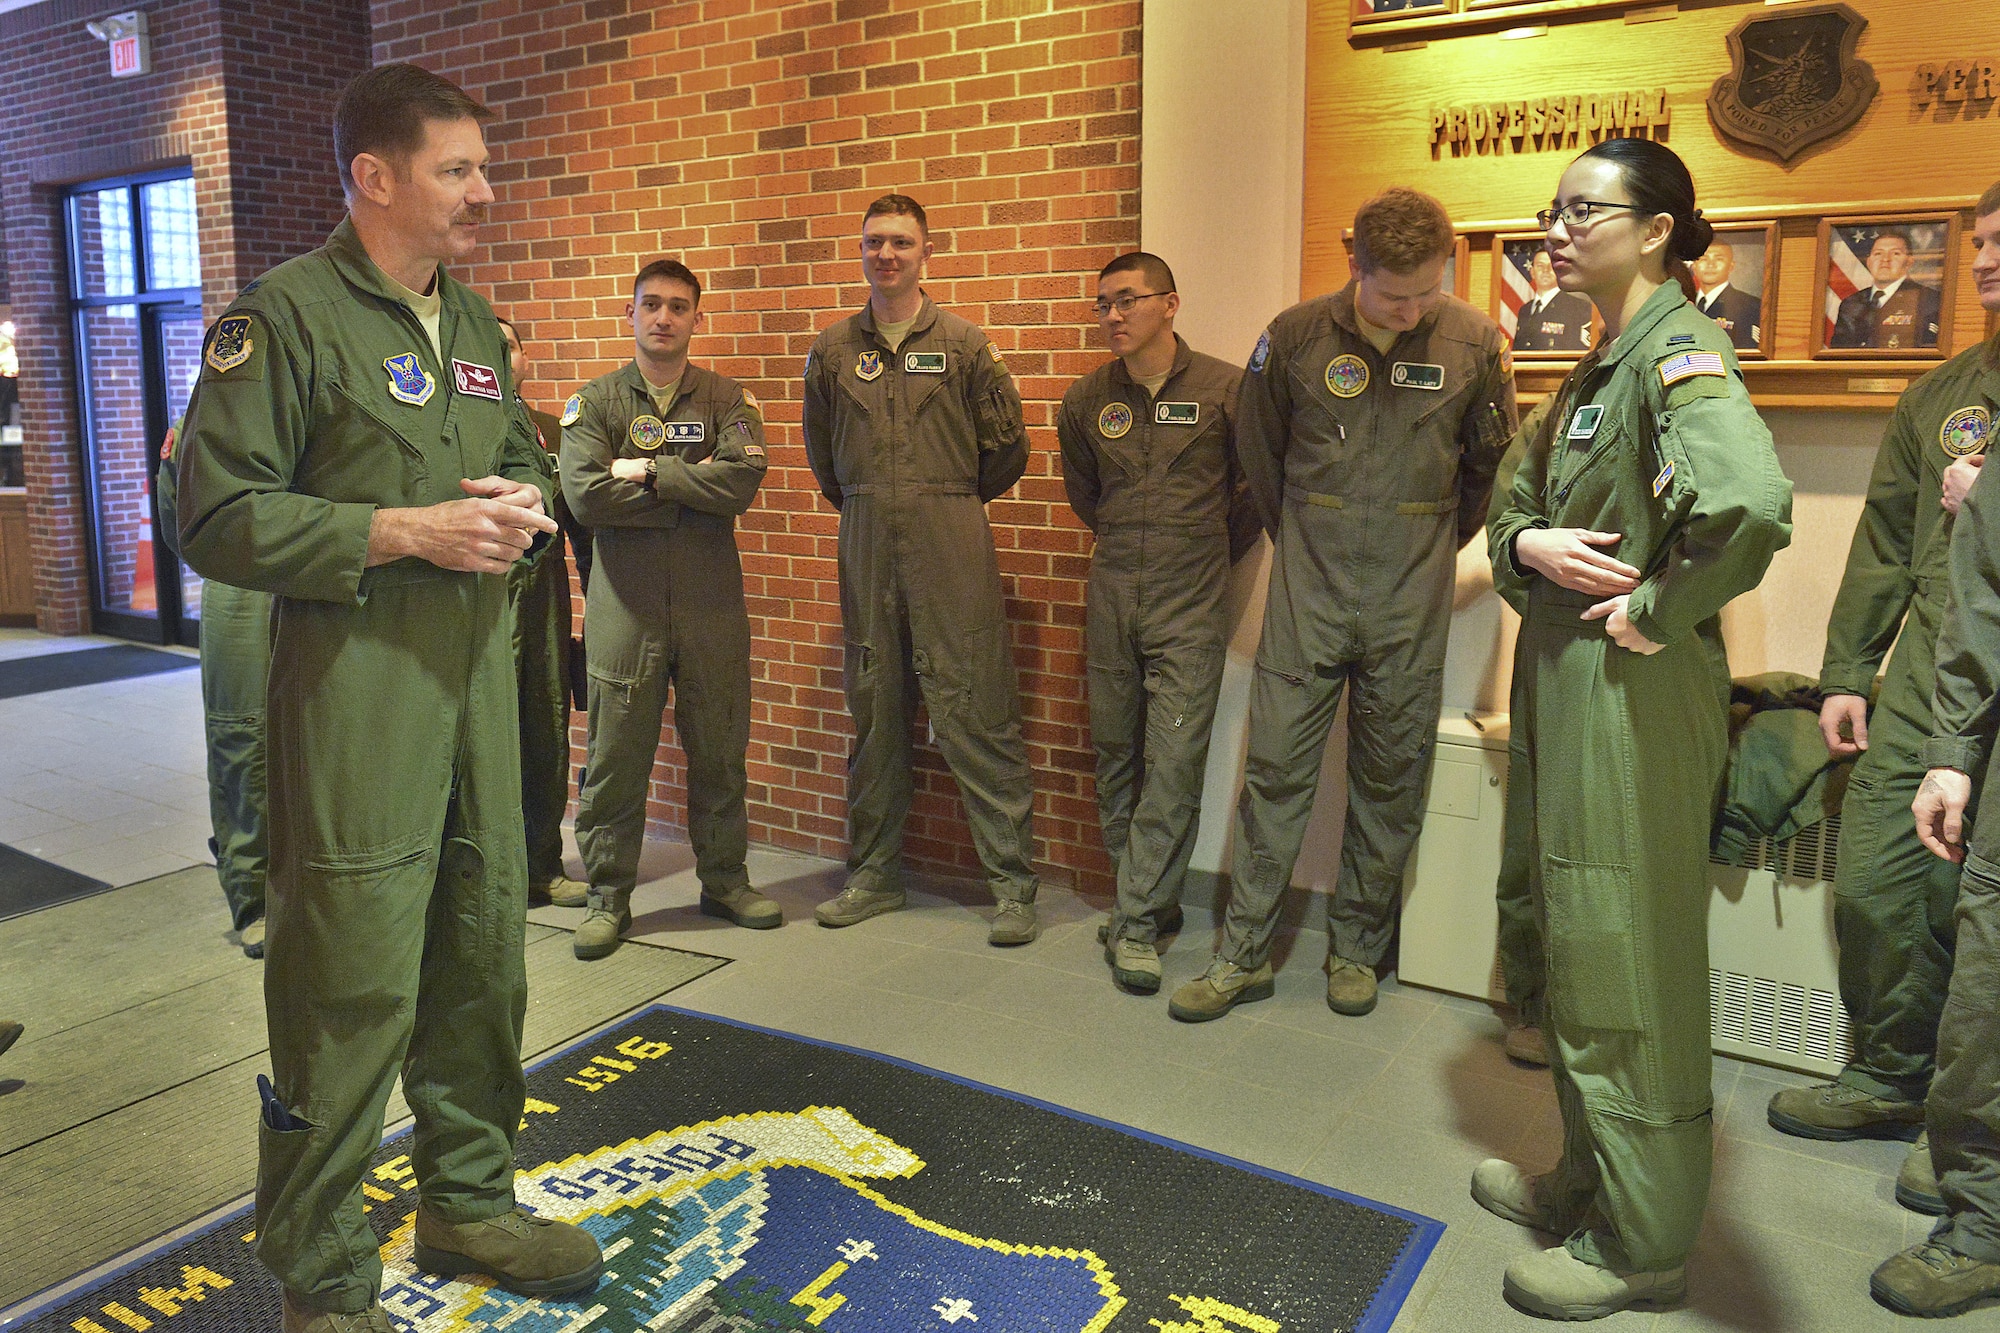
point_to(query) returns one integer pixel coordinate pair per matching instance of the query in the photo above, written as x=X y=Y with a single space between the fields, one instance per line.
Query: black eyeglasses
x=1576 y=213
x=1123 y=304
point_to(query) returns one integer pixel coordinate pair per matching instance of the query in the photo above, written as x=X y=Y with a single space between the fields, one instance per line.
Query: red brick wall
x=261 y=79
x=746 y=137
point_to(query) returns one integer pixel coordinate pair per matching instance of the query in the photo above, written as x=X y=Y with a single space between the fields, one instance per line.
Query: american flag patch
x=1689 y=364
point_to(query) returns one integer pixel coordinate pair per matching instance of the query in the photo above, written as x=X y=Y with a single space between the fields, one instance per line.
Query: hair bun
x=1693 y=237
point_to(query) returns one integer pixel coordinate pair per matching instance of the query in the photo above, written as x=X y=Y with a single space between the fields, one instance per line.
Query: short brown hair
x=1401 y=230
x=668 y=270
x=383 y=111
x=898 y=205
x=1988 y=202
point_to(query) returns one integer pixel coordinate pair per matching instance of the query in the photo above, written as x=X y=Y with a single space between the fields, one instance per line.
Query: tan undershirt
x=1380 y=339
x=1153 y=383
x=661 y=394
x=893 y=334
x=428 y=310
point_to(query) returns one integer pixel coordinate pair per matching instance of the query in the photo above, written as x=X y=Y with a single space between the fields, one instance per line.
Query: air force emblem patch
x=231 y=346
x=647 y=432
x=1965 y=432
x=1262 y=356
x=1114 y=421
x=868 y=366
x=1346 y=375
x=572 y=410
x=409 y=382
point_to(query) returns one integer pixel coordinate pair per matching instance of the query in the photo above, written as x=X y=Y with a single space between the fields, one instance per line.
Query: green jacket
x=937 y=416
x=1902 y=542
x=1654 y=437
x=707 y=454
x=321 y=400
x=1967 y=703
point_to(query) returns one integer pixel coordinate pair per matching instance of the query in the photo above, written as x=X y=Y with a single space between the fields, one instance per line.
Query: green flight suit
x=1962 y=1112
x=1156 y=479
x=1369 y=470
x=235 y=669
x=1652 y=437
x=1523 y=961
x=398 y=876
x=538 y=585
x=909 y=444
x=1893 y=900
x=665 y=609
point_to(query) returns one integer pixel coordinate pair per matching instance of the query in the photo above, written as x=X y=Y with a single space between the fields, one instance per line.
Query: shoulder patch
x=1687 y=365
x=571 y=410
x=1262 y=355
x=750 y=401
x=998 y=359
x=167 y=446
x=232 y=344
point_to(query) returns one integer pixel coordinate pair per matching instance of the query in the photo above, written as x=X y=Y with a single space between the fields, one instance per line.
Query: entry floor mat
x=28 y=883
x=39 y=673
x=742 y=1179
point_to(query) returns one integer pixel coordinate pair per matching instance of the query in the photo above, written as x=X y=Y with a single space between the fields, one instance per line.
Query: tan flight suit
x=909 y=444
x=1156 y=479
x=398 y=881
x=1652 y=437
x=1963 y=1111
x=665 y=608
x=1370 y=470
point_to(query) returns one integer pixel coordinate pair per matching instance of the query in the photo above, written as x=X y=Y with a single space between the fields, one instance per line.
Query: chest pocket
x=480 y=427
x=1314 y=405
x=346 y=473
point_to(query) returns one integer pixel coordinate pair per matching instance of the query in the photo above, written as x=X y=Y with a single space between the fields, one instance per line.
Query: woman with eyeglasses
x=1653 y=498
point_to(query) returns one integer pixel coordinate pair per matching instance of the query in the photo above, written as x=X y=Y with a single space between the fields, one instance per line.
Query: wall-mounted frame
x=1736 y=283
x=1541 y=321
x=1370 y=11
x=1884 y=286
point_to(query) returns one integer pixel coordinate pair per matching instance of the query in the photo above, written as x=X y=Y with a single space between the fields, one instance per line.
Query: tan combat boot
x=1013 y=923
x=1505 y=1190
x=1350 y=987
x=1931 y=1281
x=1555 y=1284
x=1135 y=965
x=1917 y=1183
x=1526 y=1044
x=528 y=1255
x=604 y=926
x=855 y=904
x=744 y=906
x=302 y=1318
x=562 y=891
x=1836 y=1112
x=1220 y=989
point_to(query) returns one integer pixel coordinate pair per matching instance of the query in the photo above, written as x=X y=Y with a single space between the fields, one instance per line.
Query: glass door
x=135 y=299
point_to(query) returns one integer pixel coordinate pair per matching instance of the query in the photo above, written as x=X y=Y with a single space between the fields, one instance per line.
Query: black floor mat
x=741 y=1179
x=28 y=883
x=39 y=673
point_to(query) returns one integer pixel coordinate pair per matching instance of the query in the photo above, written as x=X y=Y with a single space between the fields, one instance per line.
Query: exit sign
x=125 y=34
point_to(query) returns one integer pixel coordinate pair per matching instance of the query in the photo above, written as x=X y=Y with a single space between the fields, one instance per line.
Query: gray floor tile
x=1749 y=1279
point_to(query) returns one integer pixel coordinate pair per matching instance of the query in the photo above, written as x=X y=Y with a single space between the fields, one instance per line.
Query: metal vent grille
x=1812 y=855
x=1776 y=1016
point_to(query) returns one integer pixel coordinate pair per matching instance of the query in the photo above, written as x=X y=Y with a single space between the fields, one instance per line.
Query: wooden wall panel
x=1368 y=108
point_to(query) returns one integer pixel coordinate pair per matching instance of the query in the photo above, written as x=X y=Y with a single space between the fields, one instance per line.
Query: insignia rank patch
x=572 y=410
x=1583 y=425
x=1177 y=414
x=1965 y=432
x=1416 y=375
x=409 y=382
x=868 y=366
x=686 y=432
x=924 y=363
x=1346 y=375
x=231 y=346
x=1262 y=355
x=647 y=433
x=1687 y=365
x=1114 y=421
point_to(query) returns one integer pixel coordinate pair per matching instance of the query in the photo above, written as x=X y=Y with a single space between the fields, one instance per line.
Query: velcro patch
x=476 y=380
x=924 y=363
x=1687 y=365
x=1177 y=414
x=750 y=401
x=1660 y=482
x=687 y=432
x=572 y=410
x=1416 y=375
x=1583 y=425
x=232 y=344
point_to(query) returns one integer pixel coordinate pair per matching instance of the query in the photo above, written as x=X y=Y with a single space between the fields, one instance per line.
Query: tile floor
x=1397 y=1106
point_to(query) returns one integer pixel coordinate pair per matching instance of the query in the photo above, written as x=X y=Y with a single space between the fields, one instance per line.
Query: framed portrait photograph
x=1736 y=283
x=1541 y=321
x=1365 y=10
x=1885 y=286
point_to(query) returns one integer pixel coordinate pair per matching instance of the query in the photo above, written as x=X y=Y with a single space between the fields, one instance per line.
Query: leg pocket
x=1592 y=950
x=1860 y=836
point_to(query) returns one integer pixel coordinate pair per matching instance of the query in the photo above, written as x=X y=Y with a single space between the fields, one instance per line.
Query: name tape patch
x=687 y=432
x=1177 y=414
x=1416 y=375
x=1583 y=426
x=477 y=380
x=924 y=363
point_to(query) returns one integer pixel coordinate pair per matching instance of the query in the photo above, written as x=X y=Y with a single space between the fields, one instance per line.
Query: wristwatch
x=652 y=472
